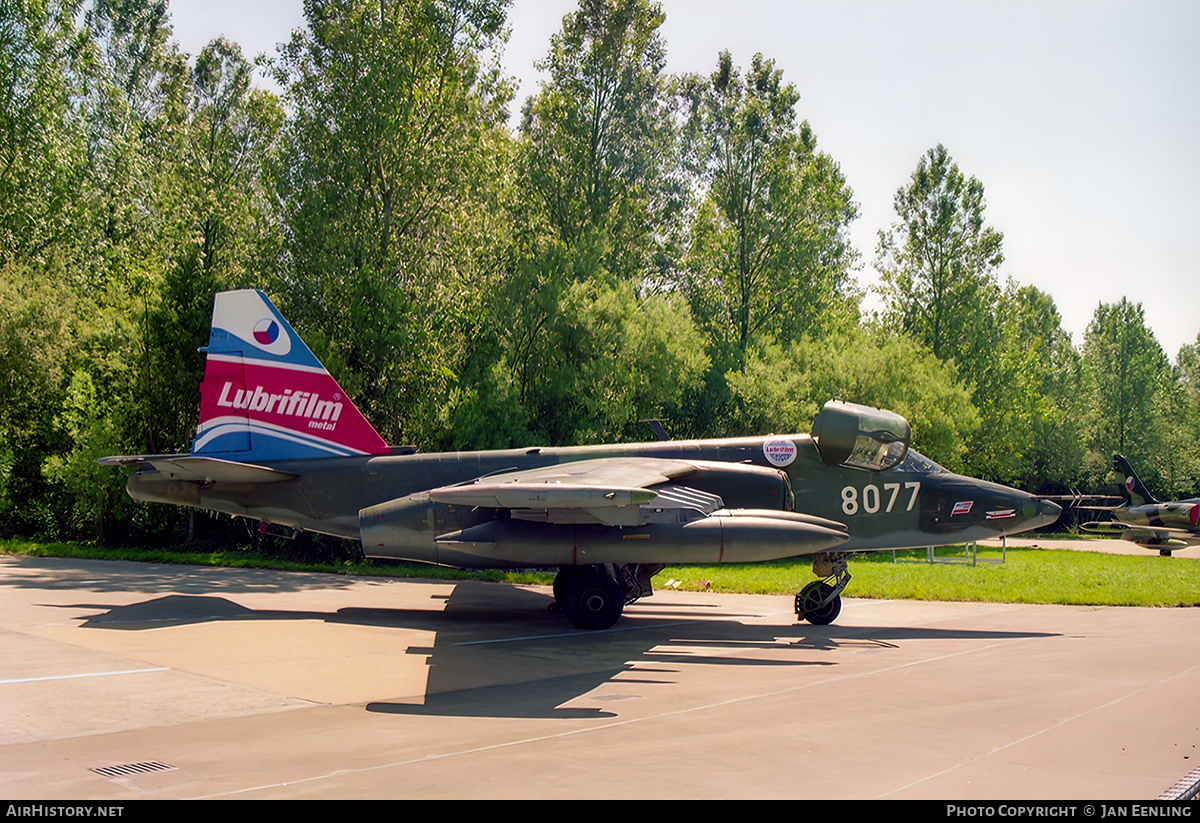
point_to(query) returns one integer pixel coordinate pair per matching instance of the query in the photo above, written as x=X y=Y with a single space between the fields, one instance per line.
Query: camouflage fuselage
x=916 y=504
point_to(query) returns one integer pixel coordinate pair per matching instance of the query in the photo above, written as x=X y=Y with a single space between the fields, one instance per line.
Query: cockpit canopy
x=859 y=436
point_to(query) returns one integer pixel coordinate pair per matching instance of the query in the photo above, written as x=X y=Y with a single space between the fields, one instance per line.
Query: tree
x=97 y=497
x=137 y=111
x=1187 y=430
x=1126 y=371
x=597 y=151
x=783 y=387
x=616 y=358
x=1177 y=428
x=769 y=251
x=1037 y=394
x=382 y=163
x=37 y=339
x=580 y=359
x=232 y=128
x=44 y=69
x=938 y=261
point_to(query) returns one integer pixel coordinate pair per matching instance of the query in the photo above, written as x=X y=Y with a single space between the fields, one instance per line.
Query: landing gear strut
x=820 y=602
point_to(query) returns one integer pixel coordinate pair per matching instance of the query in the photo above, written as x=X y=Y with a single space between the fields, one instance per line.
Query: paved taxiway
x=1088 y=544
x=125 y=681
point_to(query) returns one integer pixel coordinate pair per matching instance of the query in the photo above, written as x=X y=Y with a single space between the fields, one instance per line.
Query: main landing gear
x=820 y=602
x=593 y=597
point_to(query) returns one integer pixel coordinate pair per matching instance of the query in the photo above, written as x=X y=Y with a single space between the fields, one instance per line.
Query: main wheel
x=593 y=601
x=809 y=604
x=563 y=579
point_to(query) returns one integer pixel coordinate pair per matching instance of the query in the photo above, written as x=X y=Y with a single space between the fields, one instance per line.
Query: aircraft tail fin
x=1136 y=492
x=265 y=396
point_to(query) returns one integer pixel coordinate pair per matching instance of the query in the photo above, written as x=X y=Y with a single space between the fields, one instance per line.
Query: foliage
x=938 y=261
x=782 y=389
x=390 y=129
x=597 y=154
x=769 y=258
x=45 y=62
x=1139 y=406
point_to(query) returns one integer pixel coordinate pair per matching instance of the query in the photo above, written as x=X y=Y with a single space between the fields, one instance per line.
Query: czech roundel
x=266 y=332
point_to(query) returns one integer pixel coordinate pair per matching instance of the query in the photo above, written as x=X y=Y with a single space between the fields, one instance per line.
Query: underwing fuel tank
x=409 y=528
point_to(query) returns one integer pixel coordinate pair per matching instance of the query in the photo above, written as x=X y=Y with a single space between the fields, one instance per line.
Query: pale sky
x=1080 y=117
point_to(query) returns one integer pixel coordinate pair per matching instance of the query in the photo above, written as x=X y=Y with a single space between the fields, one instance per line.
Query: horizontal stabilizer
x=200 y=469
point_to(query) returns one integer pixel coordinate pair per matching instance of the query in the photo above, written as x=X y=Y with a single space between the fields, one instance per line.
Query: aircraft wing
x=1154 y=536
x=609 y=491
x=600 y=482
x=632 y=491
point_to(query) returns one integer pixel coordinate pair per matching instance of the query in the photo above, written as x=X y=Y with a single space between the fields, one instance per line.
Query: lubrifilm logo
x=320 y=414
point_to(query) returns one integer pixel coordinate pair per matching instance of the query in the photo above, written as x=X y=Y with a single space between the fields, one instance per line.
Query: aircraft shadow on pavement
x=77 y=574
x=499 y=653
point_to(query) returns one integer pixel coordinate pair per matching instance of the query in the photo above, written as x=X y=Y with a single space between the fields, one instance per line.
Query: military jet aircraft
x=1143 y=520
x=278 y=441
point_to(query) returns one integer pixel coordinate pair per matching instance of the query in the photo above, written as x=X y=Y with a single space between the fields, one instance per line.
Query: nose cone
x=1041 y=513
x=1031 y=512
x=966 y=506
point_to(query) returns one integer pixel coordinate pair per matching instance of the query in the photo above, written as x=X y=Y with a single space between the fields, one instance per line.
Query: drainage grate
x=1186 y=789
x=133 y=769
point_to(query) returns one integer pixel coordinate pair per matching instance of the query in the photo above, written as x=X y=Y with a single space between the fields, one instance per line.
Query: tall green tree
x=769 y=255
x=1187 y=378
x=597 y=154
x=1126 y=370
x=231 y=133
x=1038 y=394
x=45 y=65
x=137 y=111
x=1024 y=378
x=938 y=261
x=589 y=338
x=393 y=111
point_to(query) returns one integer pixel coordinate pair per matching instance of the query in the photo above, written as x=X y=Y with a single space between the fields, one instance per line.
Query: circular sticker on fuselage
x=779 y=451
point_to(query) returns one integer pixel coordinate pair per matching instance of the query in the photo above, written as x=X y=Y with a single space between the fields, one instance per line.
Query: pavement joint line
x=84 y=674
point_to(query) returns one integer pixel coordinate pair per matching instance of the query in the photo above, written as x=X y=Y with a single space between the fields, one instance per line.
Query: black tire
x=563 y=579
x=814 y=593
x=593 y=601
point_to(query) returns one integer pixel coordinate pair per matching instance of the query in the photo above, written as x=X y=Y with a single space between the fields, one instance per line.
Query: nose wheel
x=820 y=602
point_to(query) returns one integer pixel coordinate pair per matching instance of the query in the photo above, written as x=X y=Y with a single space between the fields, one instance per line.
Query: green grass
x=1025 y=576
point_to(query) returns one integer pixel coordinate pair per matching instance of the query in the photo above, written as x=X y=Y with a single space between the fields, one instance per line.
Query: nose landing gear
x=820 y=602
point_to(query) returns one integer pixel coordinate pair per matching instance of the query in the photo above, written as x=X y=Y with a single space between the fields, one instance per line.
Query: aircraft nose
x=1036 y=512
x=1048 y=512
